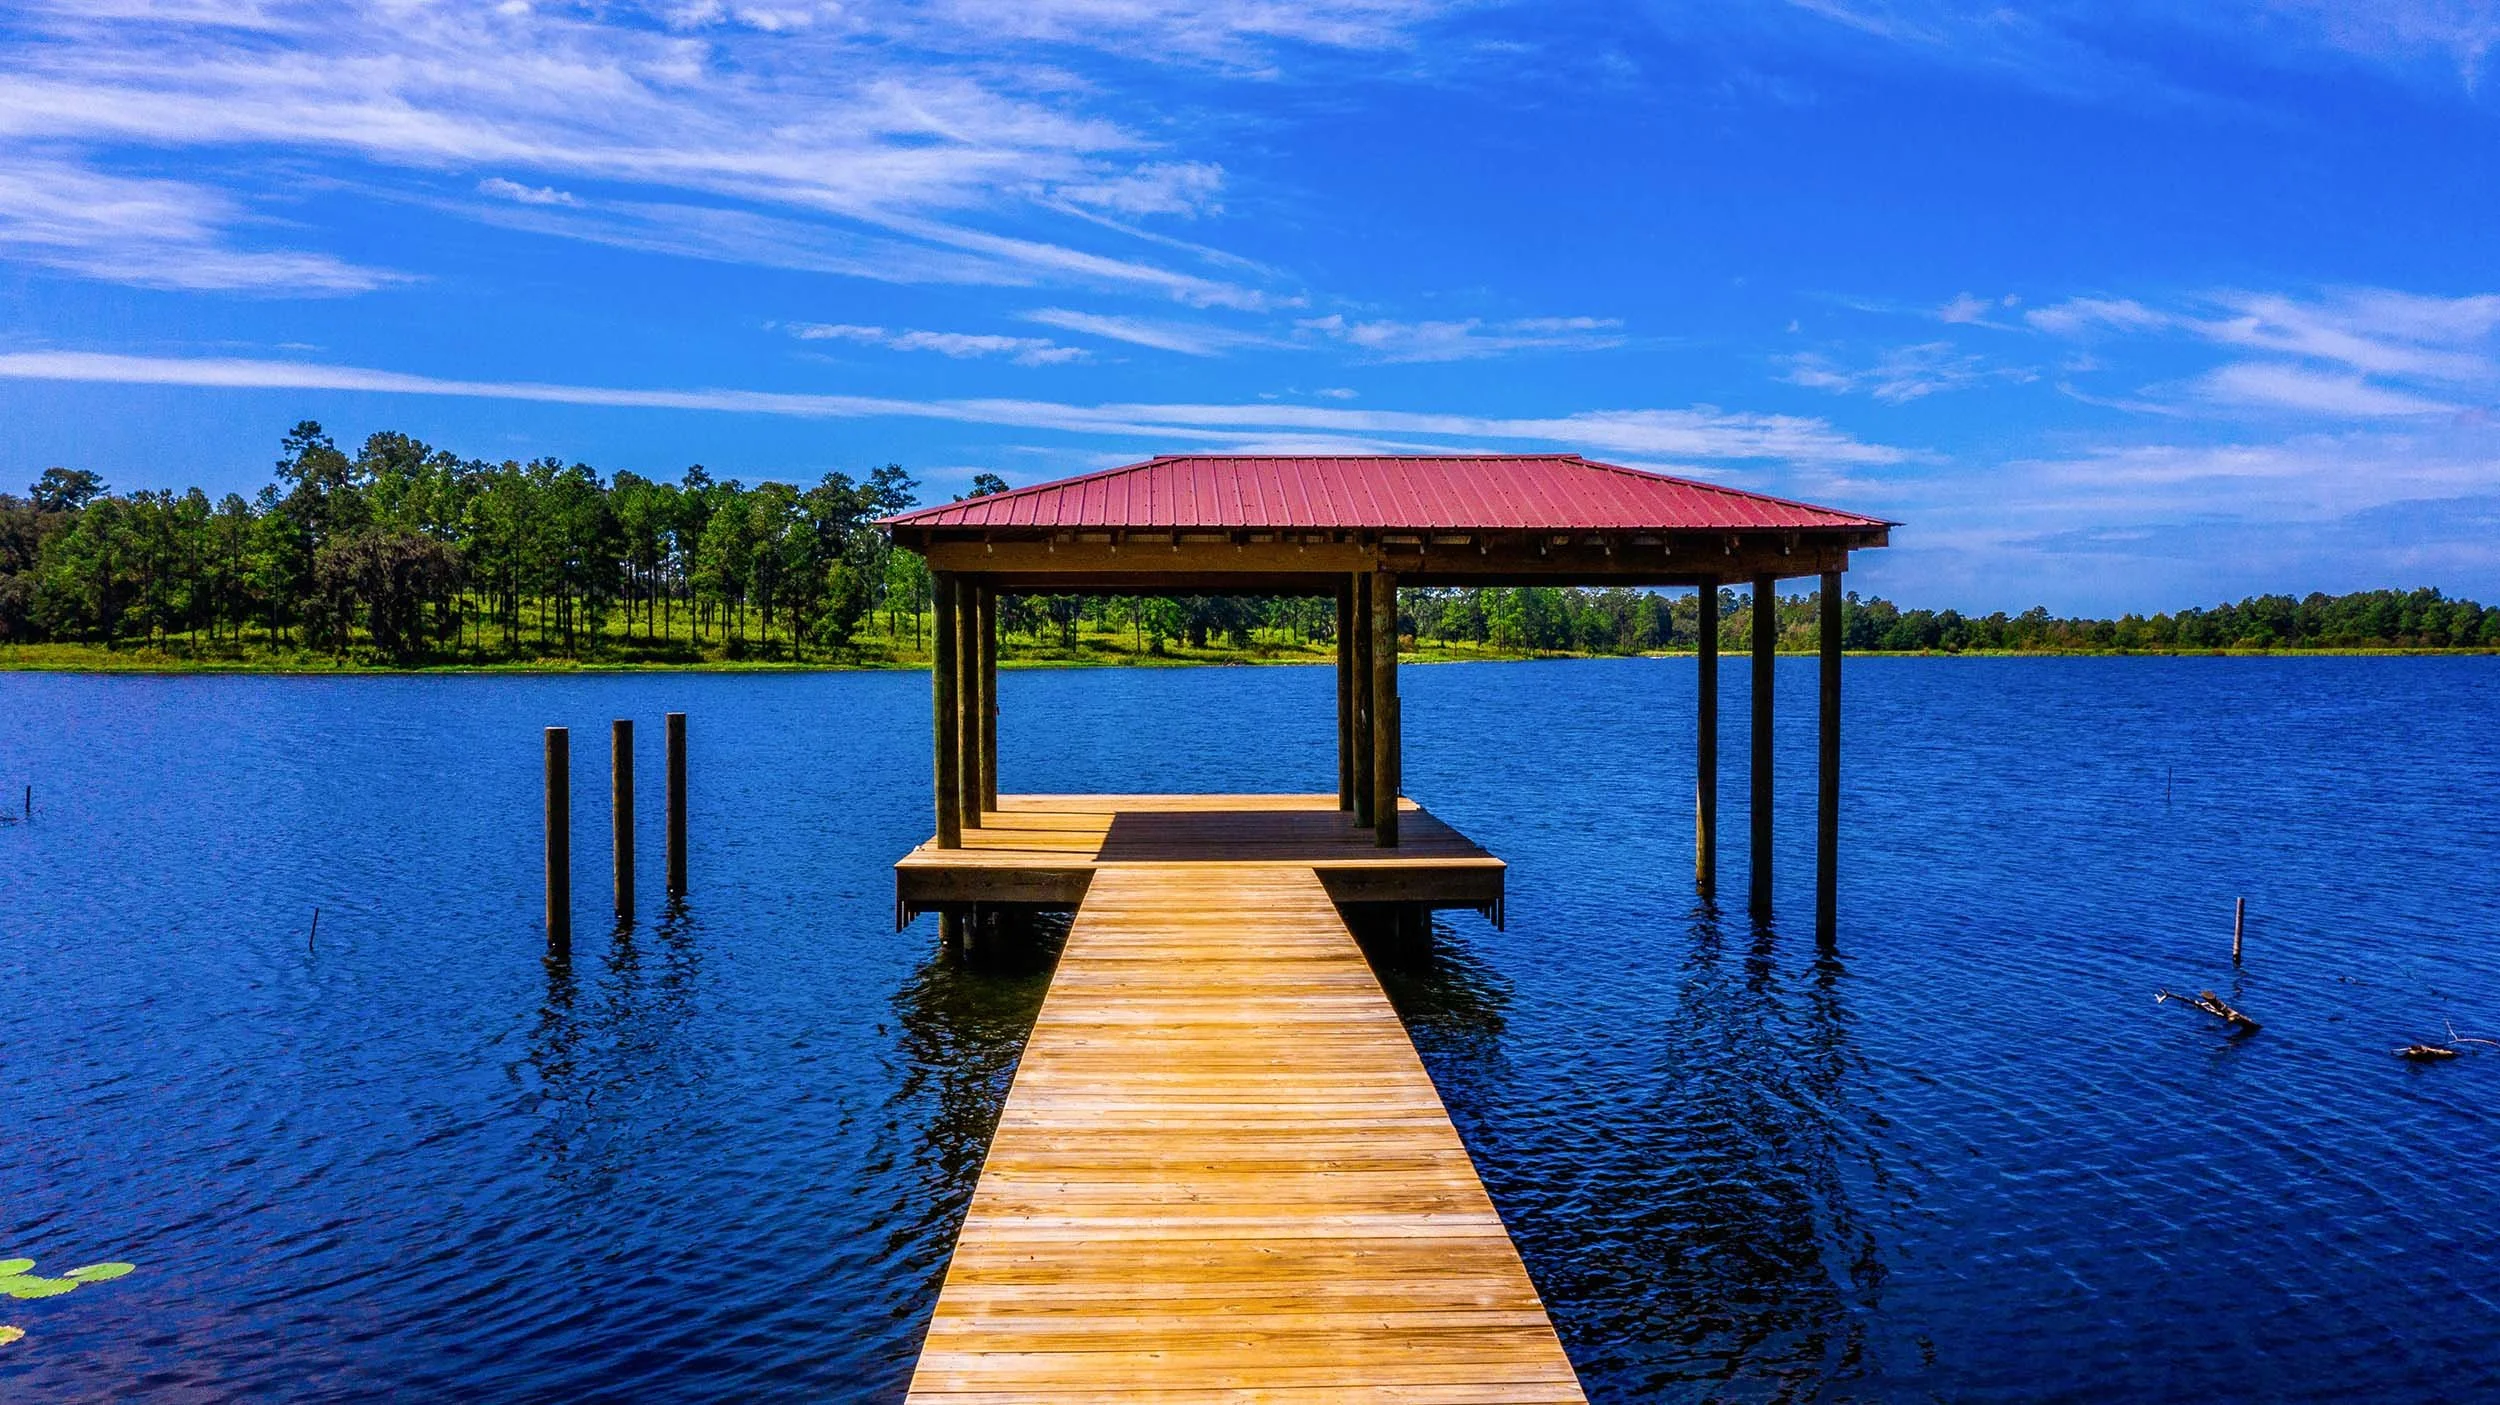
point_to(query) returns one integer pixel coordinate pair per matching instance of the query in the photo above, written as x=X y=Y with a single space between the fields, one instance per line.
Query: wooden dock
x=1222 y=1173
x=1043 y=850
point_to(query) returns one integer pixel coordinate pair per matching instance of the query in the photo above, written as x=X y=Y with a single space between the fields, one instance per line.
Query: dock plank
x=1222 y=1174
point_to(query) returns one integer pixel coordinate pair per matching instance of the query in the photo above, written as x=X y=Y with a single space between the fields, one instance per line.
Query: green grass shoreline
x=87 y=658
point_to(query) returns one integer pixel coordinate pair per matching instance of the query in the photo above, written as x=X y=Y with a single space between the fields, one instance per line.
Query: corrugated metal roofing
x=1482 y=492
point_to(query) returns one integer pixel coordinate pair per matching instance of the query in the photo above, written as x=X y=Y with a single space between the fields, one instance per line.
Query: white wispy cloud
x=2068 y=48
x=2365 y=353
x=1155 y=188
x=1968 y=310
x=503 y=189
x=1240 y=34
x=2078 y=317
x=2275 y=386
x=1471 y=339
x=154 y=233
x=1162 y=334
x=1701 y=433
x=1903 y=373
x=1024 y=351
x=811 y=115
x=2152 y=525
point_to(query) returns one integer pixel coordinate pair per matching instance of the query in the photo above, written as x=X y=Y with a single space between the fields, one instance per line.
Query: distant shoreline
x=146 y=663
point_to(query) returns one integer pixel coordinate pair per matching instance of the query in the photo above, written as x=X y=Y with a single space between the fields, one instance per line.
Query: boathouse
x=1221 y=1170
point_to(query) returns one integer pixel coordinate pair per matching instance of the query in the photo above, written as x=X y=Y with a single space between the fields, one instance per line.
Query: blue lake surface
x=1962 y=1157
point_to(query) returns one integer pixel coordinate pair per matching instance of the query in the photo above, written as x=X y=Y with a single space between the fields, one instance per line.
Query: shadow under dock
x=1043 y=851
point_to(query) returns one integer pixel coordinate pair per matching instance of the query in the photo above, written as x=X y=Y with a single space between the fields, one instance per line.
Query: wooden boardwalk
x=1222 y=1174
x=1046 y=848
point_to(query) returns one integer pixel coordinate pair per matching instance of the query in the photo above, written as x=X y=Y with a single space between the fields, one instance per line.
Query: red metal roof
x=1485 y=492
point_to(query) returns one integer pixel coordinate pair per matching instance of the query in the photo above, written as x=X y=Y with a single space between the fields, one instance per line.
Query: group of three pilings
x=1827 y=750
x=621 y=823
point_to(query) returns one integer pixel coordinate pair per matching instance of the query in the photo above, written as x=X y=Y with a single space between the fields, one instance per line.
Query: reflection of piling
x=2239 y=920
x=559 y=842
x=621 y=802
x=677 y=804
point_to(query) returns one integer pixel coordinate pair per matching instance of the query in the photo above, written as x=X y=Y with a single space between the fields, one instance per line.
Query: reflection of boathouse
x=1221 y=1167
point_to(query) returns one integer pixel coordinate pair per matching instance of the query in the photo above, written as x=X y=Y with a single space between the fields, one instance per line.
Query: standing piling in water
x=1706 y=742
x=2239 y=920
x=621 y=818
x=559 y=842
x=677 y=804
x=1765 y=651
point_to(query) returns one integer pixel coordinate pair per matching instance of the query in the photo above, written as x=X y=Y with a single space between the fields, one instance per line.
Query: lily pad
x=9 y=1334
x=11 y=1268
x=27 y=1285
x=98 y=1273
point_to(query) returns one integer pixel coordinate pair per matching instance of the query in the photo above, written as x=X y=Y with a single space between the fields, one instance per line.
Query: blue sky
x=2116 y=309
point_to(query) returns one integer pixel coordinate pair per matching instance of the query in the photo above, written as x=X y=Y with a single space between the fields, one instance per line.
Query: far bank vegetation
x=404 y=555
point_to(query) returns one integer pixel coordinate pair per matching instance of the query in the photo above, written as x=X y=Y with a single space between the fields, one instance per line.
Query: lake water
x=723 y=1154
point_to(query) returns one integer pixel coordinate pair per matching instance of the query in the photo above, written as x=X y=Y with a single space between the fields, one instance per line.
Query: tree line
x=404 y=553
x=411 y=552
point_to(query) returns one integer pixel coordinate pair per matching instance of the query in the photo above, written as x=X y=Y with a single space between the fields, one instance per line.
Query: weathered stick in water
x=2213 y=1005
x=313 y=937
x=2431 y=1053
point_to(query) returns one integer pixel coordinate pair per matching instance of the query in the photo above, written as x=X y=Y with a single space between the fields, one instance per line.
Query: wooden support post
x=968 y=702
x=1364 y=735
x=1766 y=635
x=1827 y=771
x=677 y=804
x=1346 y=626
x=559 y=842
x=989 y=699
x=943 y=638
x=621 y=812
x=1706 y=743
x=1385 y=709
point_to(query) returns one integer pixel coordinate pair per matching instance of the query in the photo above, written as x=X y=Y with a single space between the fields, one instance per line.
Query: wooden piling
x=1384 y=634
x=989 y=699
x=942 y=687
x=2239 y=921
x=1361 y=682
x=1827 y=777
x=1706 y=743
x=677 y=804
x=1345 y=694
x=621 y=812
x=1765 y=651
x=968 y=701
x=559 y=842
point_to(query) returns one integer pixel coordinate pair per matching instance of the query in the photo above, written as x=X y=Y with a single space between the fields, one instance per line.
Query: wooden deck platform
x=1223 y=1174
x=1045 y=849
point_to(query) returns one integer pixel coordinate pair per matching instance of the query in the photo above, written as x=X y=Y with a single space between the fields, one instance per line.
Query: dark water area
x=723 y=1153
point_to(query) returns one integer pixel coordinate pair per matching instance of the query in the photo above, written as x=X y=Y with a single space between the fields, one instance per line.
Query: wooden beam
x=1345 y=693
x=989 y=699
x=1765 y=650
x=942 y=689
x=1247 y=567
x=1827 y=787
x=1364 y=794
x=1706 y=743
x=1385 y=709
x=968 y=700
